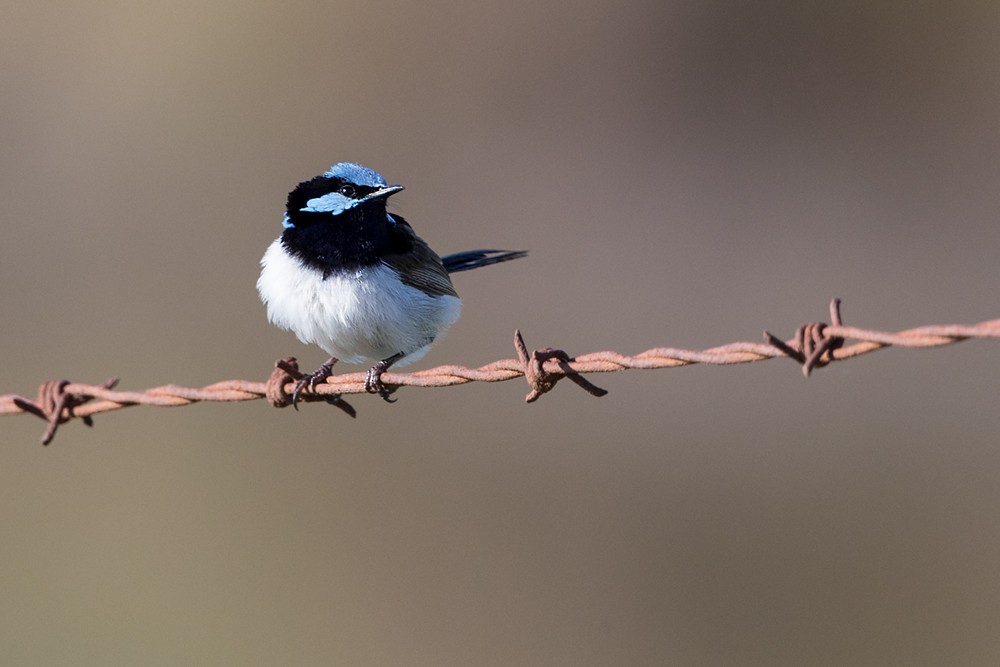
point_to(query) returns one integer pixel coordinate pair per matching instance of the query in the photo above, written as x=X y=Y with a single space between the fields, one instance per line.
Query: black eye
x=347 y=191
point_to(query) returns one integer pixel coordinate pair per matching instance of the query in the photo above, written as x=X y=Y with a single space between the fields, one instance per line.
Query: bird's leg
x=373 y=385
x=312 y=379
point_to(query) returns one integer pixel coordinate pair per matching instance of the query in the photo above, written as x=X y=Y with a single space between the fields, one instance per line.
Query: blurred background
x=685 y=174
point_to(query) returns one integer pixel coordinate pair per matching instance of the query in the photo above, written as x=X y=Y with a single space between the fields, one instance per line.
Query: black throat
x=356 y=238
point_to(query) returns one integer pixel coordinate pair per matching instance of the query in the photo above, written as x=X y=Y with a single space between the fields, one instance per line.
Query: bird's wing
x=420 y=266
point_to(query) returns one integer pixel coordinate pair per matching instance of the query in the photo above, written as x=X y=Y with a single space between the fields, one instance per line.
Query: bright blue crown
x=357 y=174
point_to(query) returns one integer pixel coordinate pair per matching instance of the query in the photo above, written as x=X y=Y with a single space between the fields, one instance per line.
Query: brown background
x=685 y=174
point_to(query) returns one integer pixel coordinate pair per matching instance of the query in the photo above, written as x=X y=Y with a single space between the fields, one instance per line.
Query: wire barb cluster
x=814 y=346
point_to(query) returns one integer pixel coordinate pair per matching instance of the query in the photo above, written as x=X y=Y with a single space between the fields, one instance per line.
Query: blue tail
x=473 y=259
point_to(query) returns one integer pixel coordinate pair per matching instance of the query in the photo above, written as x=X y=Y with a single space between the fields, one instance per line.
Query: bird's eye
x=347 y=190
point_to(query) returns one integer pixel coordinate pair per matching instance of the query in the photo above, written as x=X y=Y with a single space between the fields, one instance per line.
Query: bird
x=356 y=280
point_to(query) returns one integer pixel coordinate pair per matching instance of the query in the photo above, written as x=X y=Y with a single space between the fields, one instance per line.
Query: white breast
x=359 y=316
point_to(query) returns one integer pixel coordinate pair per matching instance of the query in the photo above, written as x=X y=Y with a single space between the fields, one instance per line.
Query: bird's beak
x=382 y=193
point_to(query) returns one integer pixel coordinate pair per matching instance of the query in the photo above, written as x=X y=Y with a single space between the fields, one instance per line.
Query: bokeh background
x=685 y=174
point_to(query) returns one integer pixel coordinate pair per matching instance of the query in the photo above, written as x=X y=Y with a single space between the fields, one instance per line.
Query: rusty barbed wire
x=814 y=345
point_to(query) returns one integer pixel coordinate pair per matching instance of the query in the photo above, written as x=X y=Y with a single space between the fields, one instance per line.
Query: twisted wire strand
x=814 y=346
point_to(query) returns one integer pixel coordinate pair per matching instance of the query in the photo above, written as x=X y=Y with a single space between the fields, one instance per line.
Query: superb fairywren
x=356 y=280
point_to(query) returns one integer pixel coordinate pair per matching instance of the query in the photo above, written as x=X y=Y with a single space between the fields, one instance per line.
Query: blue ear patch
x=357 y=174
x=332 y=202
x=286 y=223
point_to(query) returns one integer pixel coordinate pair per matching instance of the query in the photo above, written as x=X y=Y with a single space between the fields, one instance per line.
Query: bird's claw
x=373 y=383
x=311 y=380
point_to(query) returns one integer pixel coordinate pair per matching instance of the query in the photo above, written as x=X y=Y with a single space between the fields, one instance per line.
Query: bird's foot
x=373 y=383
x=312 y=379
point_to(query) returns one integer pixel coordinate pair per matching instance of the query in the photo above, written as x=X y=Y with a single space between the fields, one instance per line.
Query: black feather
x=473 y=259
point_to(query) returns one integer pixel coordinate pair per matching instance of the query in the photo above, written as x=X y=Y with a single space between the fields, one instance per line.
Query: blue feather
x=357 y=174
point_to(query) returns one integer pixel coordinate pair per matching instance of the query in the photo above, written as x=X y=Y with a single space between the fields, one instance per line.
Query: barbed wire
x=814 y=345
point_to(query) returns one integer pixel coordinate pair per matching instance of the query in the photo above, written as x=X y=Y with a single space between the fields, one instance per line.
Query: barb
x=814 y=346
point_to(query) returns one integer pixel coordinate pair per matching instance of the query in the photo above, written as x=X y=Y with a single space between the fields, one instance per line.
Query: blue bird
x=356 y=280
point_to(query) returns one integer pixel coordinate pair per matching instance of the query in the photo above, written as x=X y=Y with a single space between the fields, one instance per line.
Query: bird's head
x=338 y=219
x=347 y=191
